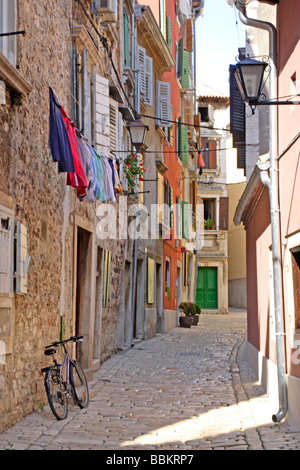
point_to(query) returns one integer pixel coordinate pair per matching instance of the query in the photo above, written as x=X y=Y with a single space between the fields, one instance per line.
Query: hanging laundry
x=58 y=137
x=85 y=157
x=118 y=186
x=108 y=180
x=94 y=184
x=101 y=195
x=111 y=164
x=75 y=179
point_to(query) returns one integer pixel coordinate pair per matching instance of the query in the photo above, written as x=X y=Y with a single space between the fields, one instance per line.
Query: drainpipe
x=271 y=181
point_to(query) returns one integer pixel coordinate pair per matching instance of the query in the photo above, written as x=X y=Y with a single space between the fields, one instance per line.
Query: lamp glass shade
x=249 y=77
x=138 y=131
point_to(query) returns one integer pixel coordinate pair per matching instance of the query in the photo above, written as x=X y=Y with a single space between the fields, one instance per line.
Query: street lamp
x=138 y=131
x=249 y=74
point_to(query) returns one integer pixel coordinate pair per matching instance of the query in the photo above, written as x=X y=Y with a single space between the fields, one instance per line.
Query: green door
x=207 y=288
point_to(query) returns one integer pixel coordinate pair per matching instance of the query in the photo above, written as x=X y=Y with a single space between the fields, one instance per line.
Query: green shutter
x=180 y=57
x=185 y=220
x=184 y=144
x=169 y=33
x=185 y=77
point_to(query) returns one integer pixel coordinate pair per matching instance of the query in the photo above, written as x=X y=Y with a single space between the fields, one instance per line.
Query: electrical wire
x=185 y=123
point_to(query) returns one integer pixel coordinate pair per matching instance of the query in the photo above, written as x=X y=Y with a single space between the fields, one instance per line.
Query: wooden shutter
x=142 y=69
x=6 y=252
x=237 y=120
x=163 y=108
x=22 y=259
x=189 y=35
x=180 y=57
x=223 y=213
x=169 y=33
x=212 y=157
x=184 y=142
x=197 y=124
x=148 y=81
x=114 y=124
x=185 y=220
x=150 y=280
x=185 y=77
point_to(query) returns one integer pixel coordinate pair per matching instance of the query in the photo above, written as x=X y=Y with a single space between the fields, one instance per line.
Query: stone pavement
x=187 y=390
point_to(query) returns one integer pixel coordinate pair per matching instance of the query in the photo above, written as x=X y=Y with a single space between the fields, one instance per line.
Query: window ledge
x=12 y=77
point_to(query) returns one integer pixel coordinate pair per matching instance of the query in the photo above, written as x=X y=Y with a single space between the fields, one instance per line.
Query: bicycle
x=64 y=381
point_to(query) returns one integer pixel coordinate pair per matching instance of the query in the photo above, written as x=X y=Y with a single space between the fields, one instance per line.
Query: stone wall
x=49 y=210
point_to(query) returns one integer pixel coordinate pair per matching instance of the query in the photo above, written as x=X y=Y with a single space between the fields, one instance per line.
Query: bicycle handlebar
x=57 y=343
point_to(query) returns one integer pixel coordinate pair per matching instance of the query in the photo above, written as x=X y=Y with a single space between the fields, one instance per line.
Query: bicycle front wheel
x=56 y=394
x=79 y=384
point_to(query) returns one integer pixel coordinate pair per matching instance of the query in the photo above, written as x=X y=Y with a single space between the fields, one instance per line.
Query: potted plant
x=132 y=169
x=190 y=310
x=209 y=225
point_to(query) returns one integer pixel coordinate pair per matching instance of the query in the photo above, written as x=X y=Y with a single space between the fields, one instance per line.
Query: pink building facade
x=254 y=211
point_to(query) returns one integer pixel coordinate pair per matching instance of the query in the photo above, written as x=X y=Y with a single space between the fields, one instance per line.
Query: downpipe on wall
x=270 y=179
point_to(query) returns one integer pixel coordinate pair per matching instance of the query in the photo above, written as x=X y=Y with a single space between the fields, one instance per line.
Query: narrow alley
x=186 y=390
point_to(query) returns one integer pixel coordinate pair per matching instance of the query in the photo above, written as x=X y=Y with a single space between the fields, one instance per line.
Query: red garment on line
x=78 y=179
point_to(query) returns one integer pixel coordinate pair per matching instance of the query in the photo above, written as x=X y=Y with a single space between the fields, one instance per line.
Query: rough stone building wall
x=31 y=179
x=47 y=207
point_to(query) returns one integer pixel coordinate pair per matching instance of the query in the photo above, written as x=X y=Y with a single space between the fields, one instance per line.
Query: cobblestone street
x=189 y=389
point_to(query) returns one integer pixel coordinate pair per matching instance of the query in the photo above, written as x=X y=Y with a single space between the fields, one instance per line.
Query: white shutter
x=163 y=103
x=114 y=124
x=142 y=69
x=149 y=81
x=6 y=252
x=22 y=259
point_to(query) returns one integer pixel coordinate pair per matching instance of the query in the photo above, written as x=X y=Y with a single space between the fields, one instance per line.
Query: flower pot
x=195 y=319
x=185 y=322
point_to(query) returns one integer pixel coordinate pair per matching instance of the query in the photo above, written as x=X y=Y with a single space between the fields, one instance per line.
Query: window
x=85 y=57
x=209 y=206
x=209 y=154
x=215 y=212
x=8 y=25
x=84 y=98
x=168 y=272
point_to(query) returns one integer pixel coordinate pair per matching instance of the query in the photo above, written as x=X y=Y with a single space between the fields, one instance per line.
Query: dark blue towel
x=58 y=137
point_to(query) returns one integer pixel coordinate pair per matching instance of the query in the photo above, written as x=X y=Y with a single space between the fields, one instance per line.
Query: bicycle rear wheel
x=57 y=394
x=79 y=384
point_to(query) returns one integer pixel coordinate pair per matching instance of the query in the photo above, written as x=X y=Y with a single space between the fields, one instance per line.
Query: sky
x=218 y=38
